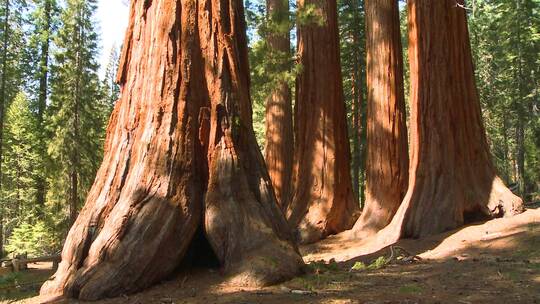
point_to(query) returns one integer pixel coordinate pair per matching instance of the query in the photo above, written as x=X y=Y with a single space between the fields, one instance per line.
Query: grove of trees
x=53 y=113
x=255 y=126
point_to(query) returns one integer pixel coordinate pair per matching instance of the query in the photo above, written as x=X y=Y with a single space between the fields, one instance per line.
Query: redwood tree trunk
x=180 y=153
x=387 y=156
x=323 y=201
x=279 y=127
x=452 y=178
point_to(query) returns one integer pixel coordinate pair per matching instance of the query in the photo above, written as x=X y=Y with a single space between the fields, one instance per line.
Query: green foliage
x=268 y=66
x=318 y=267
x=353 y=68
x=410 y=289
x=111 y=90
x=15 y=65
x=18 y=163
x=379 y=263
x=506 y=48
x=359 y=266
x=310 y=15
x=36 y=240
x=10 y=278
x=75 y=115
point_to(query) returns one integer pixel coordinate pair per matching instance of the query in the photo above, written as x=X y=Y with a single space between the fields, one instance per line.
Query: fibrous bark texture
x=180 y=153
x=279 y=127
x=323 y=201
x=387 y=158
x=452 y=177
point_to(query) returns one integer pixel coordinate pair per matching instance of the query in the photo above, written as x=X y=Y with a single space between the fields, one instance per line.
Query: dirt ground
x=493 y=262
x=23 y=284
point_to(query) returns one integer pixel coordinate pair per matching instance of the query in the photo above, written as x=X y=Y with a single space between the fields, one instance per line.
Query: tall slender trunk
x=521 y=115
x=2 y=114
x=180 y=156
x=74 y=174
x=18 y=188
x=506 y=161
x=357 y=104
x=279 y=127
x=451 y=177
x=387 y=159
x=323 y=202
x=42 y=104
x=356 y=157
x=1 y=232
x=520 y=156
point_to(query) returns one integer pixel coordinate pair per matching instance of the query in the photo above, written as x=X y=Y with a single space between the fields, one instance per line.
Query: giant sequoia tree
x=452 y=177
x=323 y=202
x=279 y=129
x=180 y=154
x=387 y=158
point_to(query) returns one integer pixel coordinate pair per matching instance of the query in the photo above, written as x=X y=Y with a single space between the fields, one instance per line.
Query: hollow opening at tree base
x=476 y=216
x=199 y=254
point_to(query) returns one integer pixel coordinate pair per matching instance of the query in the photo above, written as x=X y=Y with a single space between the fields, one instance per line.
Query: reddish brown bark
x=452 y=177
x=279 y=128
x=180 y=153
x=323 y=201
x=387 y=156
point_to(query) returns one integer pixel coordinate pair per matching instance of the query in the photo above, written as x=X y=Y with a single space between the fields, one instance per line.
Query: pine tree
x=74 y=121
x=19 y=159
x=44 y=24
x=353 y=66
x=11 y=75
x=111 y=89
x=506 y=51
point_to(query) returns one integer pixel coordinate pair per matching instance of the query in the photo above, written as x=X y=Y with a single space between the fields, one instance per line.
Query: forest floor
x=492 y=262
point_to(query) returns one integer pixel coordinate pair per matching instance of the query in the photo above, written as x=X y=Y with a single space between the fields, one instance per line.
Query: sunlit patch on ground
x=493 y=262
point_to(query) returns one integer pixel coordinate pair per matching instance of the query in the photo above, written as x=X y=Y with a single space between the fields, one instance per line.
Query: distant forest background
x=54 y=105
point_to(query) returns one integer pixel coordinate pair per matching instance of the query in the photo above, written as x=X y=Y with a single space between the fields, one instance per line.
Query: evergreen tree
x=111 y=89
x=75 y=122
x=44 y=17
x=353 y=54
x=269 y=67
x=12 y=44
x=19 y=159
x=506 y=47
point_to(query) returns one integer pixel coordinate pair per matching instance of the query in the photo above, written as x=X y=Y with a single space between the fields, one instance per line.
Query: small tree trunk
x=357 y=107
x=506 y=160
x=387 y=158
x=2 y=210
x=519 y=109
x=42 y=105
x=279 y=128
x=2 y=107
x=356 y=157
x=452 y=178
x=180 y=154
x=73 y=197
x=323 y=201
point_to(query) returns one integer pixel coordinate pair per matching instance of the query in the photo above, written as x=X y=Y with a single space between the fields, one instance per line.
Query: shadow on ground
x=493 y=262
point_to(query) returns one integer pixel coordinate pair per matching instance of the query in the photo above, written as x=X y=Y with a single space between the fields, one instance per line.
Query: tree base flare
x=180 y=157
